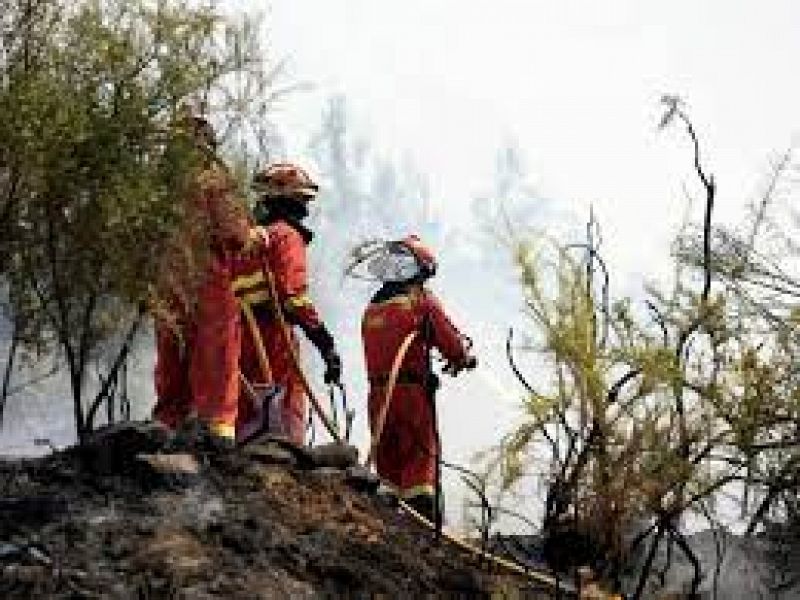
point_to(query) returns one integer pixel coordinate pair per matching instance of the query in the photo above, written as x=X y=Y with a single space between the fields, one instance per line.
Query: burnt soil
x=261 y=523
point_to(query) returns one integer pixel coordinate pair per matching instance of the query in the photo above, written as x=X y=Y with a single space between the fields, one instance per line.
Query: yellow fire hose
x=261 y=352
x=456 y=541
x=381 y=422
x=332 y=427
x=263 y=360
x=390 y=385
x=488 y=556
x=248 y=387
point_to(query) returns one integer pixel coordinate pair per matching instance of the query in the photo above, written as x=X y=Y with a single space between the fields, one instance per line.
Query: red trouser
x=174 y=402
x=292 y=412
x=202 y=375
x=407 y=451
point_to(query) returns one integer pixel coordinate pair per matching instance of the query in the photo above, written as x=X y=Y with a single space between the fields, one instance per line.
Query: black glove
x=323 y=342
x=454 y=369
x=333 y=367
x=432 y=382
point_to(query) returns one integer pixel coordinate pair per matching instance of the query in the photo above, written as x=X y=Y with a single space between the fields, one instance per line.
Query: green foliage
x=645 y=416
x=95 y=156
x=602 y=446
x=756 y=265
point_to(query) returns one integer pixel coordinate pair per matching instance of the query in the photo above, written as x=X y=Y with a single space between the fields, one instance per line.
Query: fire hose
x=488 y=556
x=331 y=426
x=380 y=423
x=333 y=430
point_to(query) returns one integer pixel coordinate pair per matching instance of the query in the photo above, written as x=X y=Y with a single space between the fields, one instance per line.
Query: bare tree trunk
x=124 y=399
x=690 y=555
x=648 y=563
x=12 y=353
x=110 y=396
x=118 y=364
x=76 y=384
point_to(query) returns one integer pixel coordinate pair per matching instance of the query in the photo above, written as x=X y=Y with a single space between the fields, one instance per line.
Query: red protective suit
x=198 y=336
x=286 y=257
x=407 y=451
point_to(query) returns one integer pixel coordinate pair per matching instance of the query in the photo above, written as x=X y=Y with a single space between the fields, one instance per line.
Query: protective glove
x=454 y=369
x=333 y=367
x=323 y=342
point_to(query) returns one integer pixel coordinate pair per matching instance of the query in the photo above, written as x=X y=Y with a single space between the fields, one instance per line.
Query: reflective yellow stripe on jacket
x=299 y=301
x=251 y=288
x=244 y=282
x=253 y=298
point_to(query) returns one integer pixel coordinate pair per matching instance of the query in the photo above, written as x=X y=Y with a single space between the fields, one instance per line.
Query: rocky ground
x=123 y=519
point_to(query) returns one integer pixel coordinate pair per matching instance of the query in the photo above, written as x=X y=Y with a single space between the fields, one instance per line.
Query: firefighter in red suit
x=285 y=191
x=197 y=322
x=408 y=451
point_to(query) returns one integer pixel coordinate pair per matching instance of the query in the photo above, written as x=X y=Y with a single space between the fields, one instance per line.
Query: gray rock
x=171 y=464
x=114 y=448
x=301 y=455
x=269 y=454
x=334 y=455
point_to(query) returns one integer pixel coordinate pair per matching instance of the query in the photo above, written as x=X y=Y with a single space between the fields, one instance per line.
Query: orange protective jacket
x=198 y=336
x=407 y=451
x=285 y=257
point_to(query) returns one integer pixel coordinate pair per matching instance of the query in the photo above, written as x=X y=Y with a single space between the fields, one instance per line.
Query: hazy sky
x=574 y=84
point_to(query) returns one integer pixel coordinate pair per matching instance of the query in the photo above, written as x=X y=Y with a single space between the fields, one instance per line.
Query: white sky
x=575 y=84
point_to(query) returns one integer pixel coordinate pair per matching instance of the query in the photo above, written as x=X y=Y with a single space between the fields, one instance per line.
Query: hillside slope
x=266 y=522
